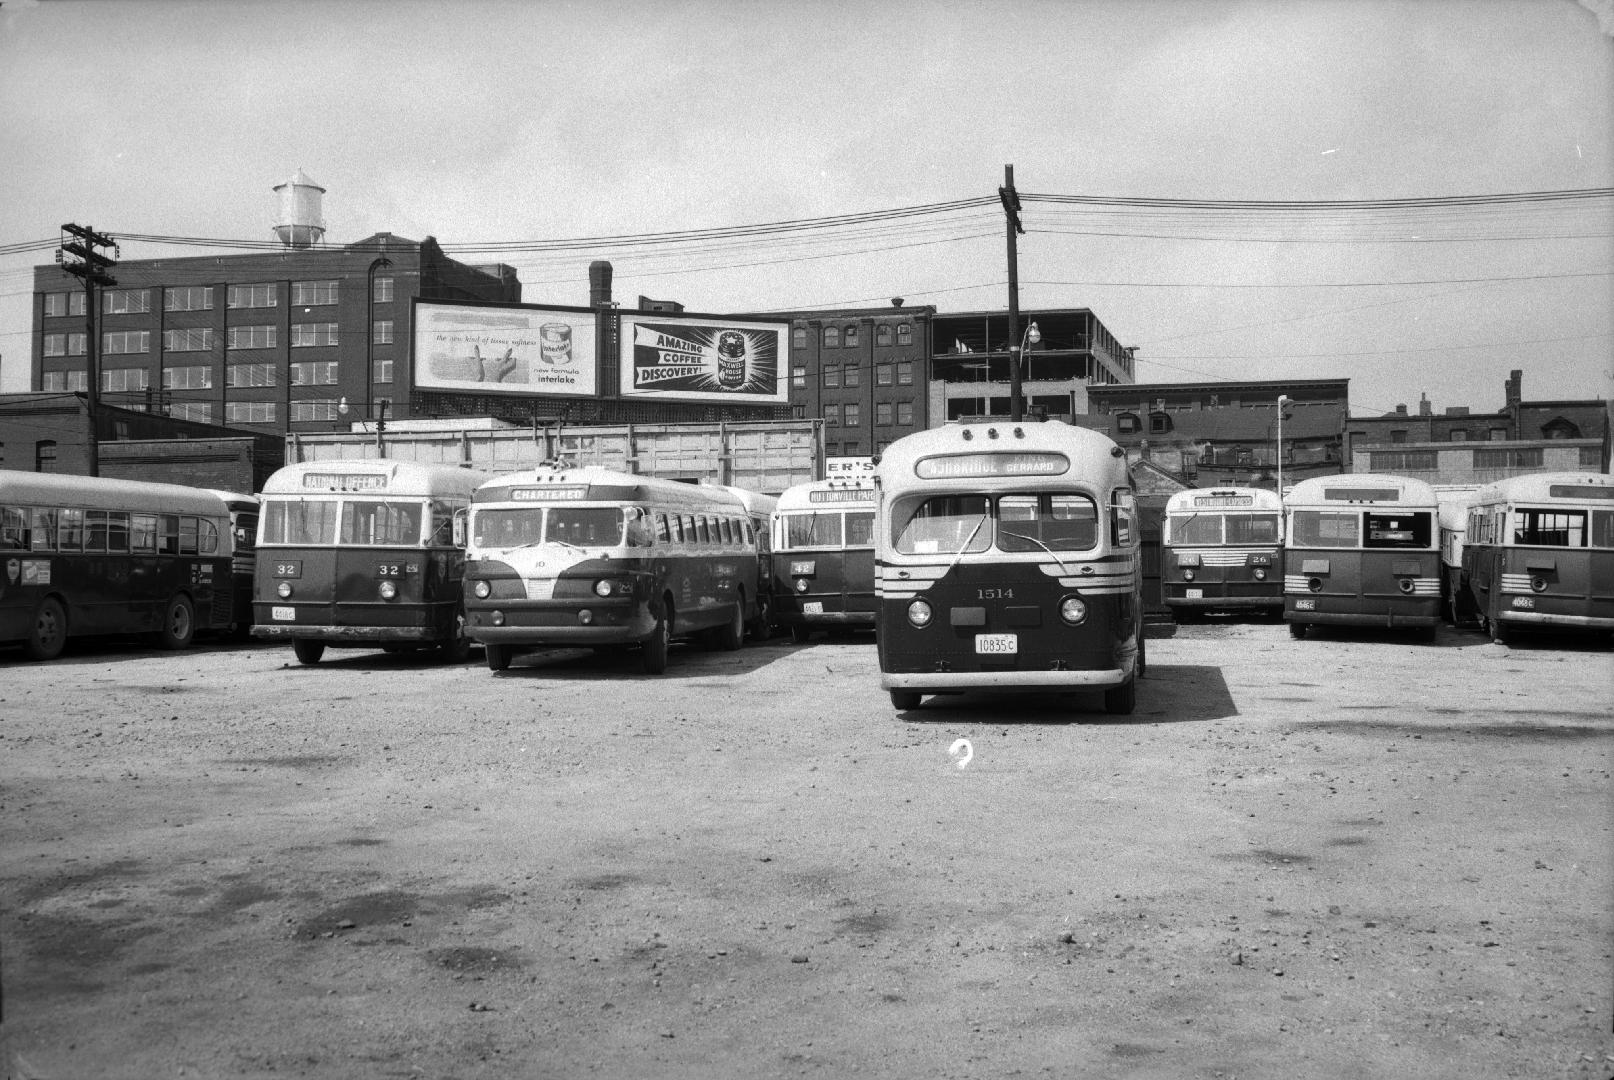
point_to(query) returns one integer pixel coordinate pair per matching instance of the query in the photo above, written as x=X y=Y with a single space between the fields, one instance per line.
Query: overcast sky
x=488 y=122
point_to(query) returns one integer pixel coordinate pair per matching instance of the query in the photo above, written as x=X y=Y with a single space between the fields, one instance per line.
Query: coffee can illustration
x=555 y=343
x=731 y=359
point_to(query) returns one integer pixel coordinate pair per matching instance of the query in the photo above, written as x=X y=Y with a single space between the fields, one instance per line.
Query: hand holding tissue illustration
x=491 y=370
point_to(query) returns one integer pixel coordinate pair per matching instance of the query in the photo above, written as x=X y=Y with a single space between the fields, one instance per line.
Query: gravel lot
x=1349 y=856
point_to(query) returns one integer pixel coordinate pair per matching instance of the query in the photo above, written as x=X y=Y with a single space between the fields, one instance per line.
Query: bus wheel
x=654 y=654
x=498 y=656
x=800 y=633
x=179 y=623
x=48 y=634
x=308 y=650
x=1297 y=630
x=1121 y=700
x=732 y=634
x=903 y=700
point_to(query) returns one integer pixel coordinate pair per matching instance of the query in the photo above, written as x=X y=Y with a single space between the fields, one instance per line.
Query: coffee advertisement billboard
x=703 y=358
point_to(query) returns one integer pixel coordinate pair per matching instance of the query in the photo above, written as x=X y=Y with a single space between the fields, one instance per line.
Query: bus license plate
x=284 y=614
x=1194 y=594
x=997 y=644
x=812 y=607
x=1307 y=604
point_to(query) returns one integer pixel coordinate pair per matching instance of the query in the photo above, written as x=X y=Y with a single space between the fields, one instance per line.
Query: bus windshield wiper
x=966 y=545
x=1018 y=536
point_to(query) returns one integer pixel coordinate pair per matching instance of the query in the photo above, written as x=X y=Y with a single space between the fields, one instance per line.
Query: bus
x=243 y=511
x=363 y=553
x=1361 y=549
x=1539 y=554
x=823 y=537
x=92 y=555
x=586 y=556
x=1452 y=521
x=760 y=507
x=1006 y=558
x=1224 y=551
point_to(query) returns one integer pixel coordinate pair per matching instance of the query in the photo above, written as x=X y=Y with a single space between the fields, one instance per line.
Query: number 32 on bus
x=1006 y=558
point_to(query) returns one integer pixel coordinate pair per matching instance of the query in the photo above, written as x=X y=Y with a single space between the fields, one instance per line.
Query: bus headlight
x=483 y=589
x=1314 y=584
x=586 y=617
x=1260 y=573
x=1187 y=574
x=1072 y=609
x=919 y=613
x=497 y=618
x=389 y=590
x=283 y=590
x=1405 y=585
x=602 y=588
x=1538 y=584
x=801 y=584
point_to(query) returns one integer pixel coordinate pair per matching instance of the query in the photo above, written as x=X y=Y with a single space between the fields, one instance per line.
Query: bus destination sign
x=346 y=481
x=547 y=494
x=1224 y=500
x=964 y=466
x=842 y=495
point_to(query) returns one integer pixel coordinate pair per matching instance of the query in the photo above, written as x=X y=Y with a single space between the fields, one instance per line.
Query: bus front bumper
x=346 y=635
x=937 y=682
x=861 y=619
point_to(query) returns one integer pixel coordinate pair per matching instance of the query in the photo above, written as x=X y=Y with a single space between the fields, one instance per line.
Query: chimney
x=1424 y=407
x=599 y=283
x=1401 y=410
x=1514 y=391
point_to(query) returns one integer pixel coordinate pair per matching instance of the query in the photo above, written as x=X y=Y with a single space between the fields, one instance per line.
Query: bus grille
x=1516 y=583
x=540 y=588
x=1224 y=556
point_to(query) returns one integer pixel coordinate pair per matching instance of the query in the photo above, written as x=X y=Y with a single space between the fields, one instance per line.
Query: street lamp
x=1283 y=399
x=1016 y=351
x=343 y=408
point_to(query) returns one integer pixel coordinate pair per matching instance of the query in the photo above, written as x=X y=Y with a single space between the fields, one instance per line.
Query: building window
x=120 y=342
x=882 y=375
x=125 y=379
x=305 y=335
x=1402 y=461
x=882 y=334
x=188 y=298
x=1127 y=423
x=251 y=412
x=383 y=291
x=252 y=296
x=851 y=447
x=313 y=293
x=1506 y=457
x=320 y=409
x=191 y=339
x=1398 y=436
x=798 y=338
x=126 y=301
x=1591 y=457
x=381 y=371
x=798 y=412
x=381 y=332
x=905 y=413
x=1458 y=435
x=854 y=415
x=249 y=375
x=832 y=337
x=852 y=376
x=55 y=345
x=832 y=416
x=832 y=376
x=1159 y=423
x=882 y=414
x=850 y=336
x=250 y=337
x=45 y=455
x=798 y=376
x=314 y=373
x=62 y=304
x=904 y=334
x=904 y=372
x=1499 y=434
x=64 y=381
x=197 y=377
x=199 y=411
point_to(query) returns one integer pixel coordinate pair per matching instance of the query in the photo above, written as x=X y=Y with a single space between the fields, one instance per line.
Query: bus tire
x=179 y=623
x=498 y=656
x=731 y=635
x=1121 y=700
x=1297 y=630
x=904 y=700
x=800 y=633
x=308 y=650
x=654 y=654
x=47 y=634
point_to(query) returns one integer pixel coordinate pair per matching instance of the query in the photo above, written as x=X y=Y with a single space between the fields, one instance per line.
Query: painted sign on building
x=487 y=348
x=703 y=358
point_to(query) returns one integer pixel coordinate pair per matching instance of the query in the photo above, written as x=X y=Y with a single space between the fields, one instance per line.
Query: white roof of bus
x=1410 y=490
x=1536 y=487
x=1260 y=499
x=1095 y=458
x=104 y=493
x=403 y=477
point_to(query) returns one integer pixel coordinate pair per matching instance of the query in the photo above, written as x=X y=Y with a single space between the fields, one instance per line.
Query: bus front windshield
x=955 y=524
x=578 y=526
x=351 y=523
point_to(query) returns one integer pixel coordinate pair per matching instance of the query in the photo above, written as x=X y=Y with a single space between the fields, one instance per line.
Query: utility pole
x=1011 y=212
x=91 y=267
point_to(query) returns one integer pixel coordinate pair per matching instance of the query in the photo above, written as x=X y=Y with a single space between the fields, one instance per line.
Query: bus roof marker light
x=968 y=435
x=991 y=433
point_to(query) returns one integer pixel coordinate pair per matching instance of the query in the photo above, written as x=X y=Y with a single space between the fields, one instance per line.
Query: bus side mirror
x=459 y=528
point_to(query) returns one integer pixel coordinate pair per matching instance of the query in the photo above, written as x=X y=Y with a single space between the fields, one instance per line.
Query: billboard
x=486 y=348
x=704 y=358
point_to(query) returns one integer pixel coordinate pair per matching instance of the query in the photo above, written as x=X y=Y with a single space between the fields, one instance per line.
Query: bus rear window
x=1326 y=529
x=1399 y=530
x=1603 y=528
x=1550 y=528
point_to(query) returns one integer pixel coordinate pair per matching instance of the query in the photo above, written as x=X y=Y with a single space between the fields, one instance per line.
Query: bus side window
x=143 y=533
x=189 y=536
x=43 y=537
x=639 y=530
x=168 y=536
x=207 y=536
x=1125 y=515
x=13 y=528
x=70 y=531
x=663 y=531
x=117 y=532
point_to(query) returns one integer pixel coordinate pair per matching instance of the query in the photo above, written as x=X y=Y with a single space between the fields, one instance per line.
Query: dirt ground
x=1348 y=856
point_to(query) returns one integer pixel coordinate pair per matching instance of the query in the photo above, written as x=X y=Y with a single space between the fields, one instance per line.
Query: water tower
x=300 y=224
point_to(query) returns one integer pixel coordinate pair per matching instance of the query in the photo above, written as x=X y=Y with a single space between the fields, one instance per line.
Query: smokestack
x=1424 y=407
x=1514 y=391
x=599 y=283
